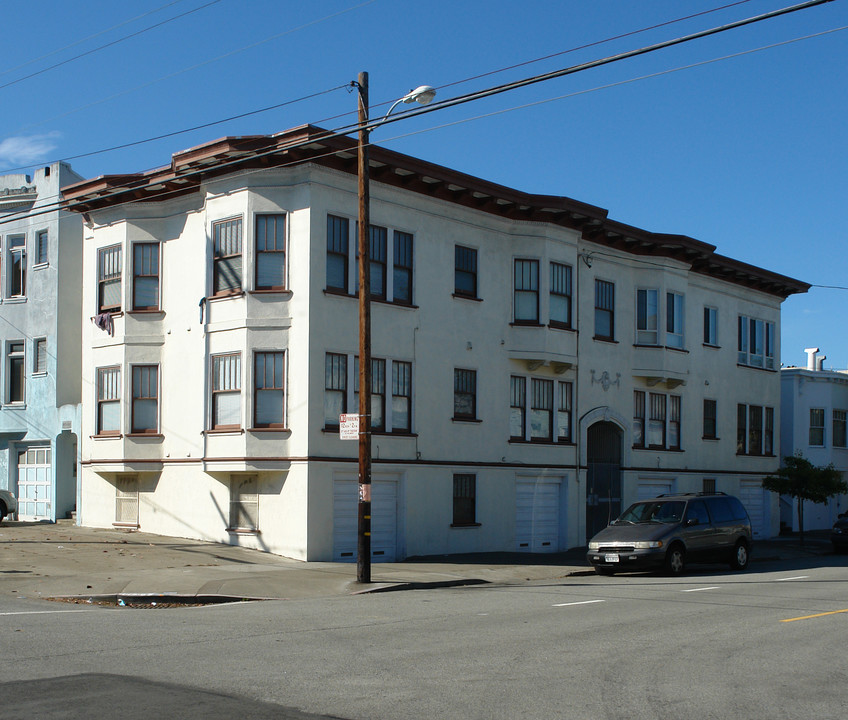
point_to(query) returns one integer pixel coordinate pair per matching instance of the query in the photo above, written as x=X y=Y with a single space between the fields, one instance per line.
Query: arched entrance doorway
x=603 y=479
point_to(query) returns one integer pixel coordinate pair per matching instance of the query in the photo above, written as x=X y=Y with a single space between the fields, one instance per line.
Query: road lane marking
x=712 y=587
x=797 y=577
x=41 y=612
x=582 y=602
x=817 y=615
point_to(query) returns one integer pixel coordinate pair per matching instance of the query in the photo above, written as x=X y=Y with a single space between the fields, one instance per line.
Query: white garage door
x=537 y=515
x=383 y=520
x=648 y=489
x=751 y=495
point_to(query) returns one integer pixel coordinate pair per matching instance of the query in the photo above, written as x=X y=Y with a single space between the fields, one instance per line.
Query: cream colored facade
x=298 y=478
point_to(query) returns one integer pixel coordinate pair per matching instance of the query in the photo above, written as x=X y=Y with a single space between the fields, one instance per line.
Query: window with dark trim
x=227 y=257
x=839 y=428
x=109 y=279
x=402 y=268
x=335 y=389
x=338 y=233
x=517 y=407
x=269 y=389
x=244 y=503
x=378 y=392
x=604 y=310
x=710 y=420
x=564 y=411
x=15 y=372
x=271 y=252
x=674 y=422
x=638 y=418
x=464 y=499
x=756 y=343
x=464 y=394
x=560 y=299
x=526 y=289
x=145 y=276
x=17 y=268
x=674 y=319
x=226 y=391
x=741 y=429
x=145 y=399
x=401 y=396
x=541 y=410
x=656 y=420
x=711 y=326
x=647 y=316
x=817 y=427
x=39 y=356
x=708 y=485
x=377 y=241
x=465 y=271
x=754 y=430
x=108 y=401
x=41 y=247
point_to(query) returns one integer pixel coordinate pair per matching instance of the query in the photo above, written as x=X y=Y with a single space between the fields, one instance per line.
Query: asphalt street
x=767 y=643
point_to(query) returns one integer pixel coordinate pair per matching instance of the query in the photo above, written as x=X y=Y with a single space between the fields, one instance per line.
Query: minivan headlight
x=647 y=544
x=594 y=545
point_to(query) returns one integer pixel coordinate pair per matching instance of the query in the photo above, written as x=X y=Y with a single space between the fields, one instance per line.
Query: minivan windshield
x=670 y=511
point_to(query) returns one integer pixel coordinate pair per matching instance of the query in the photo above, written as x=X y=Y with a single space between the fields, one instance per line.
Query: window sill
x=755 y=367
x=338 y=292
x=43 y=373
x=465 y=420
x=126 y=526
x=271 y=291
x=605 y=339
x=146 y=311
x=226 y=296
x=763 y=455
x=710 y=438
x=557 y=443
x=553 y=325
x=711 y=346
x=14 y=406
x=460 y=526
x=655 y=448
x=243 y=531
x=395 y=433
x=528 y=323
x=105 y=436
x=149 y=436
x=224 y=431
x=15 y=299
x=473 y=298
x=41 y=265
x=269 y=430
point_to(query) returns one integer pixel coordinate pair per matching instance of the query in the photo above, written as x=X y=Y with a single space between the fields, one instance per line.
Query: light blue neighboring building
x=40 y=315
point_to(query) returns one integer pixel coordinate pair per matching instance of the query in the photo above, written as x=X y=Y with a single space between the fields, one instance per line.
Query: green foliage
x=801 y=479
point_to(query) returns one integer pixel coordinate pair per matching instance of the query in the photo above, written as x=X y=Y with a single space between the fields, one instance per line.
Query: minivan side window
x=721 y=510
x=739 y=511
x=697 y=511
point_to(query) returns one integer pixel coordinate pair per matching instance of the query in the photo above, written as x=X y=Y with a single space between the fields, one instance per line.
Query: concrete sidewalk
x=40 y=560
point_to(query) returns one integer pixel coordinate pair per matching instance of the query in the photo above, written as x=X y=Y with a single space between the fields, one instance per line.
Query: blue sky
x=748 y=153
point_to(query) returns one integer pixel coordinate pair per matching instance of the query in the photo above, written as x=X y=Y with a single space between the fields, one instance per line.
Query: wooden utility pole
x=363 y=557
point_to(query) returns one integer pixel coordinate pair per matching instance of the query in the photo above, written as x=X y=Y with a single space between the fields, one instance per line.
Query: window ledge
x=225 y=296
x=272 y=291
x=395 y=433
x=224 y=431
x=711 y=346
x=115 y=436
x=605 y=339
x=710 y=438
x=153 y=311
x=553 y=325
x=42 y=373
x=556 y=443
x=14 y=406
x=268 y=430
x=243 y=531
x=754 y=367
x=15 y=299
x=460 y=526
x=473 y=298
x=654 y=448
x=521 y=323
x=338 y=292
x=126 y=526
x=141 y=436
x=465 y=420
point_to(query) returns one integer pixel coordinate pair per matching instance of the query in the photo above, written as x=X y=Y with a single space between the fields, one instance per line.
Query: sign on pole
x=349 y=427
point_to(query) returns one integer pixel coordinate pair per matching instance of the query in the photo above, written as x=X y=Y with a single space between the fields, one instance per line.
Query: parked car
x=669 y=531
x=839 y=534
x=8 y=504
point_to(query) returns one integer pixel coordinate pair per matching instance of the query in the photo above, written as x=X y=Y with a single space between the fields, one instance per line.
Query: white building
x=536 y=364
x=40 y=301
x=814 y=405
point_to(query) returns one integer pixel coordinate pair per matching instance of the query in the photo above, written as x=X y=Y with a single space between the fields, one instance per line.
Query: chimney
x=811 y=358
x=820 y=362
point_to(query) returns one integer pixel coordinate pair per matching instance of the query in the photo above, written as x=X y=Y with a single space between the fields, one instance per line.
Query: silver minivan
x=669 y=531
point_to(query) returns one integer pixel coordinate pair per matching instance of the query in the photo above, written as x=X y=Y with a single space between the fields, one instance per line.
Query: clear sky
x=748 y=153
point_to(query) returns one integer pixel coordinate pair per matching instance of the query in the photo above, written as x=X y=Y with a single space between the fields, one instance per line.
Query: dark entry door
x=603 y=482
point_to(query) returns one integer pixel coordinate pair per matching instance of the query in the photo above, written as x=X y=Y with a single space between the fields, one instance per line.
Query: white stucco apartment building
x=814 y=404
x=536 y=365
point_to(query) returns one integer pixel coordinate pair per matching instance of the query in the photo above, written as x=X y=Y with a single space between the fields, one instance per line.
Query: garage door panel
x=383 y=520
x=537 y=519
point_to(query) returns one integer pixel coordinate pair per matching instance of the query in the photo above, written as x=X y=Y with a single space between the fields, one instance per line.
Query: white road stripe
x=41 y=612
x=582 y=602
x=713 y=587
x=797 y=577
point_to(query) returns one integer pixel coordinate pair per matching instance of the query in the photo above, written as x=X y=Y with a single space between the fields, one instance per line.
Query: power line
x=109 y=44
x=344 y=130
x=90 y=37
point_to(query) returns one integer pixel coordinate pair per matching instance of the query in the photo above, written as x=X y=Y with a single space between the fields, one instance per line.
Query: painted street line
x=799 y=577
x=817 y=615
x=41 y=612
x=713 y=587
x=582 y=602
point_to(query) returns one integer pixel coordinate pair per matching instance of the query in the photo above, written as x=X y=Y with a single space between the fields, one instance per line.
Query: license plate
x=610 y=558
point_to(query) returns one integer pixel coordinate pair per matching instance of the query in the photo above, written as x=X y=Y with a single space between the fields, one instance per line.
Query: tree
x=804 y=481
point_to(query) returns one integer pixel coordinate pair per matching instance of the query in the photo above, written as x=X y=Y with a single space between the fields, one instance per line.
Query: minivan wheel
x=741 y=556
x=675 y=560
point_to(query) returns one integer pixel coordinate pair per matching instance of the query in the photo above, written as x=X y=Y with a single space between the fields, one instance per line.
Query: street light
x=423 y=95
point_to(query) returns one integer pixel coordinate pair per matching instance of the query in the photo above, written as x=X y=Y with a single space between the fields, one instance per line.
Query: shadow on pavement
x=82 y=697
